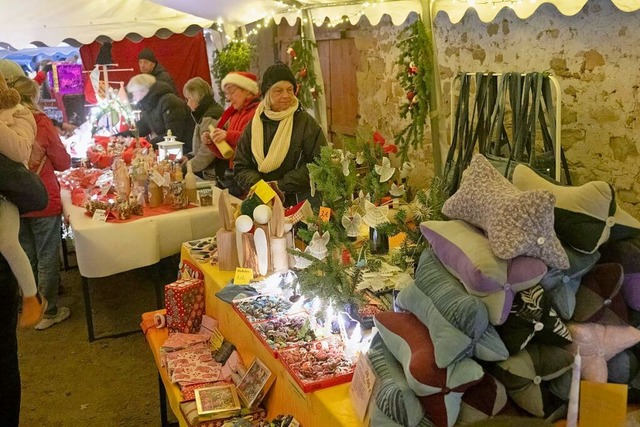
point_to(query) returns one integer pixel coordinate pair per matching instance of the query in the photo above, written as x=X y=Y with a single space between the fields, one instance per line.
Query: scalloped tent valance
x=487 y=10
x=31 y=22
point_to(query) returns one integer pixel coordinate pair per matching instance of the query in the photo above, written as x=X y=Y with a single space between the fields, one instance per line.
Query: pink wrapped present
x=184 y=301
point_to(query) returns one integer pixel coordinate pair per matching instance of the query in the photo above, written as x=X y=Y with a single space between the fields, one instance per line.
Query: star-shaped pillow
x=598 y=344
x=484 y=400
x=627 y=254
x=599 y=298
x=517 y=222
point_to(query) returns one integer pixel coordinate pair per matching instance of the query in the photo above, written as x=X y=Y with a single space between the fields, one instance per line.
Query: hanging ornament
x=360 y=158
x=407 y=167
x=375 y=215
x=302 y=73
x=385 y=170
x=352 y=224
x=410 y=95
x=291 y=52
x=413 y=70
x=396 y=190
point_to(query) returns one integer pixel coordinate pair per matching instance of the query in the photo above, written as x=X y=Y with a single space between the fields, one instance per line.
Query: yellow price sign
x=264 y=191
x=243 y=276
x=324 y=214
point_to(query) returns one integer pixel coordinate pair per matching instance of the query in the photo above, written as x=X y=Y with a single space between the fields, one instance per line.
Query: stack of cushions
x=439 y=389
x=458 y=321
x=467 y=254
x=562 y=285
x=624 y=368
x=627 y=254
x=537 y=379
x=599 y=298
x=483 y=400
x=516 y=222
x=533 y=318
x=585 y=216
x=599 y=343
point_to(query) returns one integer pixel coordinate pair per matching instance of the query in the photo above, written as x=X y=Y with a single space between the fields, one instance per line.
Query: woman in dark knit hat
x=148 y=64
x=281 y=140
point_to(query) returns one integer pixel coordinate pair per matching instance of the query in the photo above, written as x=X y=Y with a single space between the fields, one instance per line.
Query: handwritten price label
x=324 y=214
x=100 y=215
x=243 y=276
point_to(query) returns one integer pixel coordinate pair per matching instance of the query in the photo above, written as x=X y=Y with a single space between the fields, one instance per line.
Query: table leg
x=163 y=404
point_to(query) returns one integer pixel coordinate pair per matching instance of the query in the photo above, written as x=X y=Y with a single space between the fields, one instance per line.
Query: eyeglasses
x=229 y=93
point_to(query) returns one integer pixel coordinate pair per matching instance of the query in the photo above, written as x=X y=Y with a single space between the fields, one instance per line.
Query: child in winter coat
x=17 y=134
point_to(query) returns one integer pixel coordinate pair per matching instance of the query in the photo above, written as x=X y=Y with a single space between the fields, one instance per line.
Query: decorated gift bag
x=184 y=301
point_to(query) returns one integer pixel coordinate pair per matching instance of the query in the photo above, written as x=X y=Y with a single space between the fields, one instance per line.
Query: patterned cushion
x=466 y=253
x=598 y=344
x=627 y=254
x=458 y=321
x=439 y=389
x=585 y=216
x=624 y=368
x=537 y=379
x=562 y=285
x=517 y=222
x=483 y=400
x=599 y=298
x=379 y=419
x=394 y=396
x=533 y=318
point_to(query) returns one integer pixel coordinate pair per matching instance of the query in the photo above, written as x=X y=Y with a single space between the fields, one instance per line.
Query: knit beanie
x=278 y=72
x=242 y=79
x=147 y=54
x=10 y=69
x=9 y=97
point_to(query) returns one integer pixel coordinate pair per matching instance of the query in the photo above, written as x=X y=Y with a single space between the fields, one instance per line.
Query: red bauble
x=302 y=73
x=410 y=95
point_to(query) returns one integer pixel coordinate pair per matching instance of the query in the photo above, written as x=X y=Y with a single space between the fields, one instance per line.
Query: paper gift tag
x=100 y=215
x=243 y=276
x=362 y=386
x=603 y=404
x=264 y=191
x=324 y=214
x=157 y=178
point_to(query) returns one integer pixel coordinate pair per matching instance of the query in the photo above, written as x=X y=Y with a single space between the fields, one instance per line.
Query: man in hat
x=148 y=64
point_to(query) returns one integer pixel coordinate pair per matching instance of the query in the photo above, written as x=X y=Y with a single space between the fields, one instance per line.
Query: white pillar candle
x=574 y=393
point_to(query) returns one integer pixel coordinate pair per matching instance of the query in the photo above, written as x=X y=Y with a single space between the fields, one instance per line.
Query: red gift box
x=184 y=301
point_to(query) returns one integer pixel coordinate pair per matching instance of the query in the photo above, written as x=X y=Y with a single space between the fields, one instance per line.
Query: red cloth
x=183 y=57
x=103 y=160
x=237 y=120
x=48 y=148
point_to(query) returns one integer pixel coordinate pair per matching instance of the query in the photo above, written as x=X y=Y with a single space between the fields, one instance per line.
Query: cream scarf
x=281 y=141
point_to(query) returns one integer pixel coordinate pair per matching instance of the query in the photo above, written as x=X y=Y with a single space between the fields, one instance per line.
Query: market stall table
x=327 y=407
x=104 y=249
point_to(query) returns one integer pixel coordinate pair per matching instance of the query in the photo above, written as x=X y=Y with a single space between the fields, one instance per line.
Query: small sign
x=364 y=379
x=324 y=214
x=243 y=276
x=264 y=191
x=603 y=404
x=157 y=178
x=100 y=215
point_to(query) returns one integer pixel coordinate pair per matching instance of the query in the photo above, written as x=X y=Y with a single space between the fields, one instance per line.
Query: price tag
x=324 y=214
x=364 y=379
x=157 y=178
x=264 y=191
x=243 y=276
x=100 y=215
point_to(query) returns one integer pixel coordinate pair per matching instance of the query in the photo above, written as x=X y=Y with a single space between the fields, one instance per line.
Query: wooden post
x=227 y=250
x=249 y=253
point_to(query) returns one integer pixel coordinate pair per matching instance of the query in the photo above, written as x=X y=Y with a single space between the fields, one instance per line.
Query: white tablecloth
x=104 y=248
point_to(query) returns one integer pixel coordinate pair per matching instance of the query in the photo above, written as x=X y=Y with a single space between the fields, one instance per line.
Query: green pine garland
x=415 y=69
x=301 y=52
x=235 y=56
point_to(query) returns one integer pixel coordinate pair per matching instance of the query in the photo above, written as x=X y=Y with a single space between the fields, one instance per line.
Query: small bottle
x=190 y=184
x=177 y=173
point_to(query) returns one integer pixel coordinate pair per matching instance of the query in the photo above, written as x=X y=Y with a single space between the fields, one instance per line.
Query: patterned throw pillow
x=517 y=222
x=585 y=216
x=459 y=321
x=599 y=343
x=624 y=368
x=439 y=389
x=394 y=396
x=599 y=298
x=561 y=285
x=483 y=400
x=537 y=379
x=466 y=253
x=533 y=318
x=627 y=254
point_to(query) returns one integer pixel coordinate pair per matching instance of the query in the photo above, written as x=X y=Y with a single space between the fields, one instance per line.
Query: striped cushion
x=585 y=216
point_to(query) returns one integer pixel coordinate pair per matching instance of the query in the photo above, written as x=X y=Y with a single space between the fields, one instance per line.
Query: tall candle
x=574 y=393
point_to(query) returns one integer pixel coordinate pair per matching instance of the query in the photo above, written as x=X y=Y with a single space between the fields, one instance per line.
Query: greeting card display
x=217 y=402
x=66 y=79
x=184 y=300
x=255 y=384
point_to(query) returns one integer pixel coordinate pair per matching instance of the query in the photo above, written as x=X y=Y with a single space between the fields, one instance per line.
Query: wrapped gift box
x=184 y=302
x=190 y=413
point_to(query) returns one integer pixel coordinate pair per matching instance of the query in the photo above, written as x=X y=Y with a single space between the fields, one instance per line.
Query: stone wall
x=594 y=57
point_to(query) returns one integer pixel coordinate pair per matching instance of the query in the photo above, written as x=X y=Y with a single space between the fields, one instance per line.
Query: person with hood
x=161 y=110
x=243 y=93
x=205 y=112
x=148 y=64
x=280 y=141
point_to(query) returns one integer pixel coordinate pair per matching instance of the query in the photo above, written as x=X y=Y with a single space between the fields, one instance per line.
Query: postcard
x=255 y=383
x=221 y=399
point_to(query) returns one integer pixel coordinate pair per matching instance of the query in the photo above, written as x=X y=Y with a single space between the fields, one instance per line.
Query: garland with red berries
x=301 y=53
x=415 y=69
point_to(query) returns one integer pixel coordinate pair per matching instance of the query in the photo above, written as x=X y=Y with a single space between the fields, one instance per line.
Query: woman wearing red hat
x=242 y=92
x=282 y=139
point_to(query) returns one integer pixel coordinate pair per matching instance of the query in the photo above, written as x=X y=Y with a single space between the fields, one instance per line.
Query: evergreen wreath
x=301 y=53
x=111 y=109
x=235 y=56
x=415 y=69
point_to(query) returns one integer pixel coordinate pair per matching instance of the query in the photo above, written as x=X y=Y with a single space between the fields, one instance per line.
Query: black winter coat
x=292 y=176
x=162 y=75
x=162 y=110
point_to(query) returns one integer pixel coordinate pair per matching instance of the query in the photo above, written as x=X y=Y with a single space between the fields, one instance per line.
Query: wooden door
x=338 y=60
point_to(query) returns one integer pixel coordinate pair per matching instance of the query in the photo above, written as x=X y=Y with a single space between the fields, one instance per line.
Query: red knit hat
x=242 y=79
